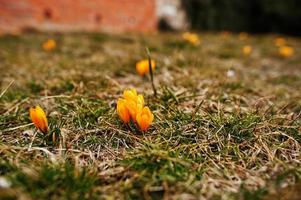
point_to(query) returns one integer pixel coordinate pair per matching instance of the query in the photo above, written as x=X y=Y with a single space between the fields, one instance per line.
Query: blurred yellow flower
x=191 y=38
x=144 y=118
x=279 y=41
x=247 y=50
x=122 y=110
x=49 y=45
x=38 y=117
x=286 y=51
x=243 y=36
x=142 y=66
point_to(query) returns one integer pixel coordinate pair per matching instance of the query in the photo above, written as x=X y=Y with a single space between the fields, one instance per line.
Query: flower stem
x=151 y=71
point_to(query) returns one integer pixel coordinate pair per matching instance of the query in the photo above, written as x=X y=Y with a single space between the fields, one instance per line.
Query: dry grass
x=227 y=126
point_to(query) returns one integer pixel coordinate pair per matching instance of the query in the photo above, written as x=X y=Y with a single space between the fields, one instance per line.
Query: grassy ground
x=227 y=126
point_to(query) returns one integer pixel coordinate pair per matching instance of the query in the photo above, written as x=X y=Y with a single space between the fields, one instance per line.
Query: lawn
x=227 y=125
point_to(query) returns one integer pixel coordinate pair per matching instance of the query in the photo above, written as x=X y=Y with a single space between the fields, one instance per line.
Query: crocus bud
x=142 y=66
x=38 y=117
x=122 y=110
x=130 y=95
x=135 y=107
x=191 y=38
x=144 y=118
x=49 y=45
x=286 y=51
x=247 y=50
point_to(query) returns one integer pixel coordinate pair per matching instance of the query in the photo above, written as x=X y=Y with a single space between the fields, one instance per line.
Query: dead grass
x=226 y=126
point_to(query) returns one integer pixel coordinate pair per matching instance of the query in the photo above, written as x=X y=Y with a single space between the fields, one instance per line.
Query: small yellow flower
x=247 y=50
x=49 y=45
x=243 y=36
x=144 y=118
x=131 y=106
x=142 y=67
x=191 y=38
x=122 y=110
x=134 y=102
x=279 y=41
x=130 y=94
x=134 y=108
x=286 y=51
x=38 y=117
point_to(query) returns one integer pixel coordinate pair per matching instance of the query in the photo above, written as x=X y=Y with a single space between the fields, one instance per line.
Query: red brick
x=78 y=15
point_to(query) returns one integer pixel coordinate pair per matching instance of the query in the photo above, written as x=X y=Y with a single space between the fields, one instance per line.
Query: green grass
x=214 y=136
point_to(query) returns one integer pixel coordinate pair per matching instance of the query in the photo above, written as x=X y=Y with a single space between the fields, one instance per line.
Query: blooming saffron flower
x=38 y=117
x=286 y=51
x=247 y=50
x=191 y=38
x=144 y=118
x=142 y=67
x=122 y=110
x=49 y=45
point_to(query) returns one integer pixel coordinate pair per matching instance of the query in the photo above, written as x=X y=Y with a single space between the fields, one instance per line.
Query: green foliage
x=56 y=181
x=241 y=128
x=155 y=165
x=212 y=134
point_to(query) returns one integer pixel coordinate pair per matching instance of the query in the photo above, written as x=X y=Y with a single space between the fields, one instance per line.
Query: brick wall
x=78 y=15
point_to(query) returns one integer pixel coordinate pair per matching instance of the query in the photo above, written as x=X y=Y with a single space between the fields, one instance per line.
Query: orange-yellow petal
x=49 y=45
x=133 y=108
x=122 y=110
x=130 y=94
x=144 y=118
x=191 y=38
x=135 y=105
x=38 y=117
x=286 y=51
x=140 y=100
x=247 y=50
x=142 y=66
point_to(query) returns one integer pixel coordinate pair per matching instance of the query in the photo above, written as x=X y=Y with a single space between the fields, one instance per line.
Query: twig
x=17 y=127
x=2 y=93
x=197 y=109
x=56 y=96
x=31 y=142
x=151 y=71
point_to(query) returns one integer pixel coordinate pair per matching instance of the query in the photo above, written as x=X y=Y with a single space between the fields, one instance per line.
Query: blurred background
x=255 y=16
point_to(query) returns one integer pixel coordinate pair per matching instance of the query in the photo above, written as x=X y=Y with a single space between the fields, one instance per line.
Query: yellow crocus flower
x=247 y=50
x=49 y=45
x=122 y=110
x=142 y=67
x=144 y=118
x=286 y=51
x=38 y=117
